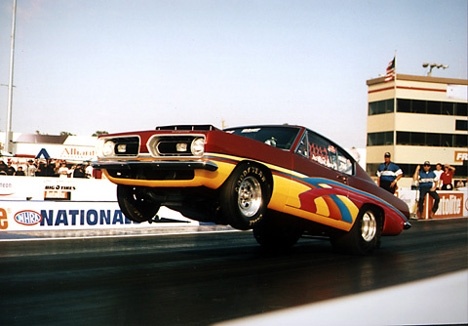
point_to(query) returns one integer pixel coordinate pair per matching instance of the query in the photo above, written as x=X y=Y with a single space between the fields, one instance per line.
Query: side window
x=321 y=151
x=303 y=148
x=327 y=154
x=345 y=165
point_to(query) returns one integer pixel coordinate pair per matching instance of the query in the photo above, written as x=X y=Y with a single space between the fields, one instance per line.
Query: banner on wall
x=452 y=203
x=34 y=216
x=46 y=203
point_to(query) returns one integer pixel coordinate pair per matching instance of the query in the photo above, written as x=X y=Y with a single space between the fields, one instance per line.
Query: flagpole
x=394 y=101
x=394 y=81
x=10 y=82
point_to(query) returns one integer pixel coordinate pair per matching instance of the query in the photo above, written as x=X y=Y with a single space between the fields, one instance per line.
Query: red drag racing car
x=282 y=181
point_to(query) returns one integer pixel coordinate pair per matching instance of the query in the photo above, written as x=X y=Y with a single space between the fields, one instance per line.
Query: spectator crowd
x=47 y=168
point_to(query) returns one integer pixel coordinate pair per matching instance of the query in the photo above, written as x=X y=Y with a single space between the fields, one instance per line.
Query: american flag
x=390 y=74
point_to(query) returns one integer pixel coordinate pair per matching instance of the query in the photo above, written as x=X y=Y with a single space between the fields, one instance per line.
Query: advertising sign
x=47 y=203
x=452 y=203
x=50 y=188
x=34 y=216
x=461 y=156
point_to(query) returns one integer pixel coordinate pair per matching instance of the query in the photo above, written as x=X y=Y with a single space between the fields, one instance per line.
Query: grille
x=151 y=173
x=171 y=145
x=126 y=146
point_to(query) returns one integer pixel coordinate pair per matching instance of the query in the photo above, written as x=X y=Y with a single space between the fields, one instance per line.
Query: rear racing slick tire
x=277 y=232
x=364 y=236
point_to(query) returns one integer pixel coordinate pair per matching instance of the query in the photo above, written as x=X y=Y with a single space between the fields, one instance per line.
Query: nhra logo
x=28 y=217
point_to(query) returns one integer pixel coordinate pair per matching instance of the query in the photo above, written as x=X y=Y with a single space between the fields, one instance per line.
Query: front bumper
x=151 y=170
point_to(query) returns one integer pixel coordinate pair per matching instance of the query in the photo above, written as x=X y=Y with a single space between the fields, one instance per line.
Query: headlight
x=122 y=148
x=198 y=146
x=181 y=147
x=108 y=148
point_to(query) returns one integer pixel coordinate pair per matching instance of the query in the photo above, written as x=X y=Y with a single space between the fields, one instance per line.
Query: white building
x=70 y=148
x=417 y=119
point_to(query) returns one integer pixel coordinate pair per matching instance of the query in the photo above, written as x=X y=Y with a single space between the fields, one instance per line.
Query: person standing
x=3 y=168
x=89 y=171
x=447 y=176
x=389 y=173
x=31 y=168
x=63 y=171
x=79 y=172
x=438 y=171
x=20 y=171
x=10 y=170
x=427 y=185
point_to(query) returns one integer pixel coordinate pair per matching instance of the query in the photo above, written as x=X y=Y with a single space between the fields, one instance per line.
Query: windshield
x=277 y=136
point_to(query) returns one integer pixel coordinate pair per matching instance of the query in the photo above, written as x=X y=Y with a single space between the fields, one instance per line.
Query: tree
x=99 y=133
x=66 y=133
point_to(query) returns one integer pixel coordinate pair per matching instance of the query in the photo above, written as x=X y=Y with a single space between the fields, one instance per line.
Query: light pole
x=432 y=66
x=10 y=82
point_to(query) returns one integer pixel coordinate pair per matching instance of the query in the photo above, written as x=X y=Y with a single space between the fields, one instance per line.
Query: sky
x=84 y=65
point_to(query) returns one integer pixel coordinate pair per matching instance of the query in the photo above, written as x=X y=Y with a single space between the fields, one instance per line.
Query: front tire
x=245 y=196
x=135 y=204
x=364 y=236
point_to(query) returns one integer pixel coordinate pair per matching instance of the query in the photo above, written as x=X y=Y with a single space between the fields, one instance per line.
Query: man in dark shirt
x=20 y=171
x=389 y=173
x=79 y=172
x=10 y=170
x=3 y=167
x=427 y=185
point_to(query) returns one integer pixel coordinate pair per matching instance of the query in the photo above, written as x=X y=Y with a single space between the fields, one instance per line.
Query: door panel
x=324 y=191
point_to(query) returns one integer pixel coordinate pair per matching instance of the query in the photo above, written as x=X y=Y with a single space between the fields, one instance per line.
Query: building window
x=431 y=139
x=434 y=107
x=380 y=107
x=461 y=109
x=380 y=138
x=418 y=107
x=418 y=138
x=446 y=140
x=403 y=138
x=461 y=141
x=448 y=108
x=431 y=107
x=404 y=105
x=461 y=125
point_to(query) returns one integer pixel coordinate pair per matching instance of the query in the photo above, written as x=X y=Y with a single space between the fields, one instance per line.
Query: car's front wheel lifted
x=135 y=203
x=364 y=236
x=245 y=196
